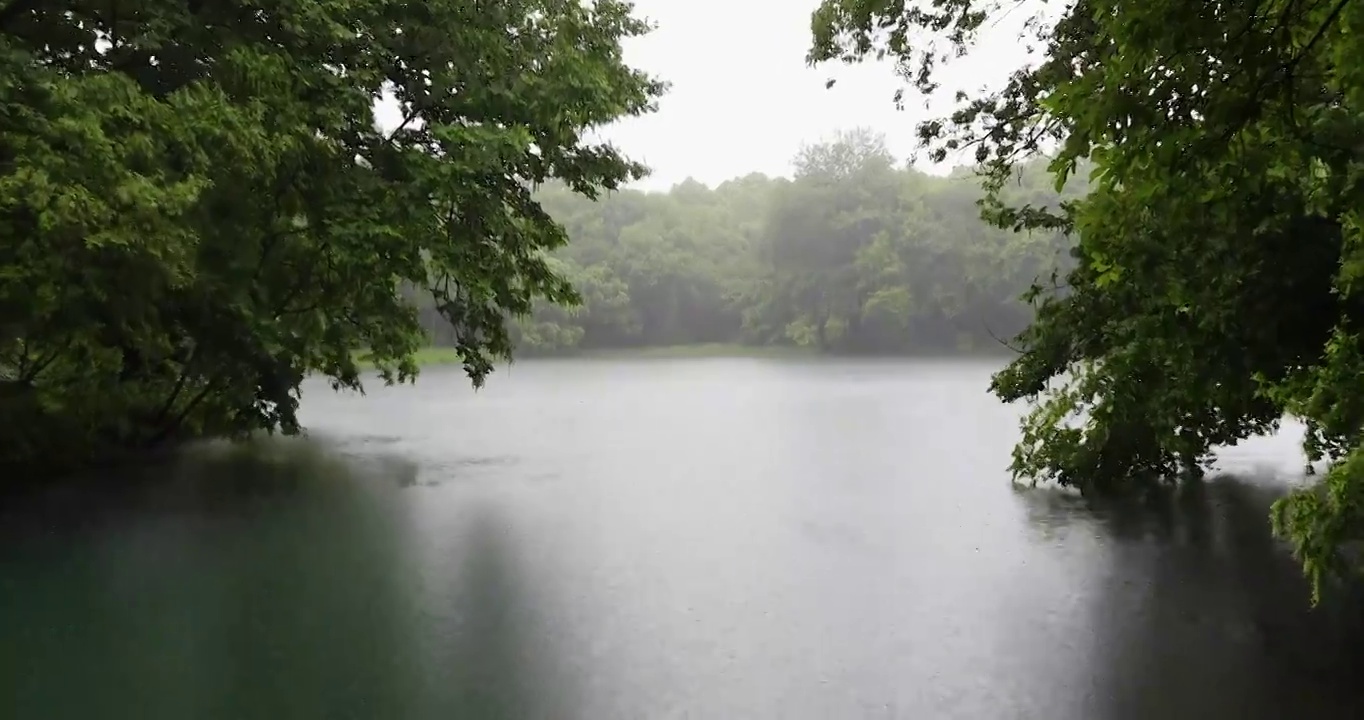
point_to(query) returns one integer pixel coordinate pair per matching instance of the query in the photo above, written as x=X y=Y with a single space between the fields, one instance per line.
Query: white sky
x=743 y=100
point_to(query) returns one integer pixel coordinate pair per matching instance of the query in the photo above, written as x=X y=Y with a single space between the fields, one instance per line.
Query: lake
x=699 y=538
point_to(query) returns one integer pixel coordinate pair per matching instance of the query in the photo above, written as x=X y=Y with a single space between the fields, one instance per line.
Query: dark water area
x=708 y=539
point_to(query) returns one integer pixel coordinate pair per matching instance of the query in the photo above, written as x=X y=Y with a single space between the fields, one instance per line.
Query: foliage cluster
x=1220 y=250
x=197 y=208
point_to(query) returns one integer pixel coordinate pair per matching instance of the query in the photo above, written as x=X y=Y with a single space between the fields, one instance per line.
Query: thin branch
x=178 y=421
x=401 y=126
x=32 y=371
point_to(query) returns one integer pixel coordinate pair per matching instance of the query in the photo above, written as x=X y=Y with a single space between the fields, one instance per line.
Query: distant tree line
x=855 y=254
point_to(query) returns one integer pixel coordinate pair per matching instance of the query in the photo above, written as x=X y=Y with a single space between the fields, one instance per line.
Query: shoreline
x=444 y=356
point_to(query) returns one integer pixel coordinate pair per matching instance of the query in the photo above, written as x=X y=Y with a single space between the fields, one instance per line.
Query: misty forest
x=853 y=255
x=1152 y=228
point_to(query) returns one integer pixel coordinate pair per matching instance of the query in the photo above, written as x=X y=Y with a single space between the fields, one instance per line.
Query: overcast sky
x=743 y=100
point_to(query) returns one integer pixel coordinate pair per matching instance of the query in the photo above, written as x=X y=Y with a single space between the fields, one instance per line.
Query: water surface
x=747 y=538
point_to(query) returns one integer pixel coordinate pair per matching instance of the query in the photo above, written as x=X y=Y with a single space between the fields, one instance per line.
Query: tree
x=845 y=194
x=876 y=257
x=197 y=210
x=1216 y=286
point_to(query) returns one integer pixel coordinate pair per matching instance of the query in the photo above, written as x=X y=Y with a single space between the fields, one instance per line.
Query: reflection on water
x=617 y=540
x=1202 y=612
x=242 y=585
x=265 y=581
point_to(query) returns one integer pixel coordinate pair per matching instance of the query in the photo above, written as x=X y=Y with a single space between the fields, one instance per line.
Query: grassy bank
x=428 y=356
x=702 y=350
x=436 y=356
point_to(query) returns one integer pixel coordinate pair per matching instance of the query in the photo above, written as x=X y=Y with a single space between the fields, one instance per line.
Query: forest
x=854 y=254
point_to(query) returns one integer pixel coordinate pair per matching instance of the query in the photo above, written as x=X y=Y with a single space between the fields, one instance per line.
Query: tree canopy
x=854 y=254
x=197 y=208
x=1217 y=287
